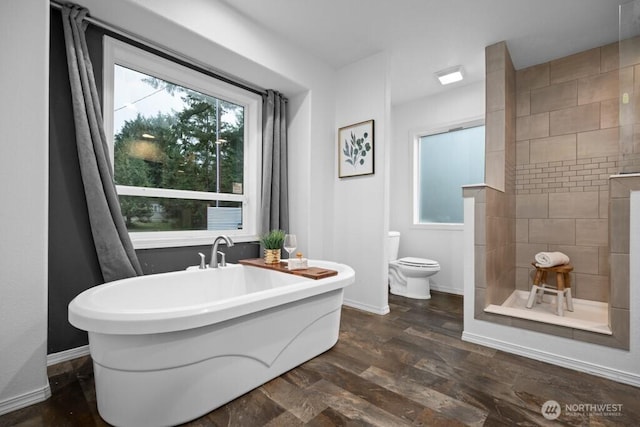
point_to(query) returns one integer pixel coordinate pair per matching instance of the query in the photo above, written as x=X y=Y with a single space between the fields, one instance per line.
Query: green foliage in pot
x=273 y=239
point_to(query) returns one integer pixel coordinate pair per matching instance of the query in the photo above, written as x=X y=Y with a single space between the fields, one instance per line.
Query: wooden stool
x=562 y=290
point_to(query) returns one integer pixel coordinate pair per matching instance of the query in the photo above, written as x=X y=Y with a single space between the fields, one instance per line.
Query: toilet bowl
x=409 y=276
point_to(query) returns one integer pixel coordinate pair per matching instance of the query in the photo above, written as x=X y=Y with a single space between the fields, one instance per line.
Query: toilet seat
x=418 y=262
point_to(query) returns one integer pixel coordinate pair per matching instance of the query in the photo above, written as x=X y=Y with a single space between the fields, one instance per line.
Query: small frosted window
x=446 y=162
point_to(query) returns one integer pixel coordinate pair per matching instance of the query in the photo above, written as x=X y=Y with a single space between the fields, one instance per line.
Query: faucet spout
x=214 y=251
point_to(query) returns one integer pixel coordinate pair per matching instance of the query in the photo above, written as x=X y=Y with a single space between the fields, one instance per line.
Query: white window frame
x=415 y=143
x=117 y=52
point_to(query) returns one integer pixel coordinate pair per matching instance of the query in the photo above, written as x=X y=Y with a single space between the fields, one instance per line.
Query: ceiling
x=425 y=36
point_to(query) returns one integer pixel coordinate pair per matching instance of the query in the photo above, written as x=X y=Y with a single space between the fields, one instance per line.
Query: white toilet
x=409 y=277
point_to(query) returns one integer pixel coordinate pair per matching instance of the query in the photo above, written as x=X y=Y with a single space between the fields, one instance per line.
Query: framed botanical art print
x=355 y=150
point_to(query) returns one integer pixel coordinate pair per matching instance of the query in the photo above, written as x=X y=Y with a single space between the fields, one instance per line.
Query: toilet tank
x=394 y=244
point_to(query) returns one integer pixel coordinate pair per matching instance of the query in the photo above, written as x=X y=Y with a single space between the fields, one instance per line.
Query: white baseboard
x=70 y=354
x=366 y=307
x=42 y=394
x=447 y=289
x=555 y=359
x=24 y=400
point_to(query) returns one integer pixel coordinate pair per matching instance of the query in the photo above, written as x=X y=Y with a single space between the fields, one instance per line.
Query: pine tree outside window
x=185 y=150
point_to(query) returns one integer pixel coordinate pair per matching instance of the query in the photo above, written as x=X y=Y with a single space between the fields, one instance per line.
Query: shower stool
x=562 y=290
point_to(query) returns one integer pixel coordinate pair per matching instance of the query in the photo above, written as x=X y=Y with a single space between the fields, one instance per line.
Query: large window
x=444 y=162
x=185 y=150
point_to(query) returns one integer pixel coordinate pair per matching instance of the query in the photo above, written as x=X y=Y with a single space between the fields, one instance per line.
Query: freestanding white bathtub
x=168 y=348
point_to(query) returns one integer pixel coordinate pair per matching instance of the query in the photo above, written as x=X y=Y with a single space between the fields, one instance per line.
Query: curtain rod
x=168 y=51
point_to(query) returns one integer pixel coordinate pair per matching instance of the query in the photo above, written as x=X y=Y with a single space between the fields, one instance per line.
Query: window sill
x=180 y=239
x=438 y=226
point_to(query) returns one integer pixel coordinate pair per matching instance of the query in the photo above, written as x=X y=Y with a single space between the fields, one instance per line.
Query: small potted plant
x=272 y=243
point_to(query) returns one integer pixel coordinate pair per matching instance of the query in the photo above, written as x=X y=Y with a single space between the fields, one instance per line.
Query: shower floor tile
x=588 y=315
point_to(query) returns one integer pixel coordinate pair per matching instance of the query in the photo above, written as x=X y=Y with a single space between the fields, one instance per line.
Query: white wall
x=361 y=216
x=618 y=365
x=24 y=165
x=445 y=246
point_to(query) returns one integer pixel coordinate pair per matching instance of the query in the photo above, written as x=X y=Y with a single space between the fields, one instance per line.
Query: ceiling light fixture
x=450 y=75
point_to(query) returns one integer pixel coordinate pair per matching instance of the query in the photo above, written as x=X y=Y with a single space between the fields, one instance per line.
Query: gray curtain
x=275 y=196
x=115 y=252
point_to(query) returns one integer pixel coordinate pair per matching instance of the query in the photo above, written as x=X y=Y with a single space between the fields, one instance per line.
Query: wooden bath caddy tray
x=310 y=272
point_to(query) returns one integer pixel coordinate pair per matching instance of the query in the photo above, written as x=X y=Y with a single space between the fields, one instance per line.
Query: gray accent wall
x=73 y=266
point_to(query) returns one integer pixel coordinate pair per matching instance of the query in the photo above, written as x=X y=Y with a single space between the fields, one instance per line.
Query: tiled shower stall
x=562 y=146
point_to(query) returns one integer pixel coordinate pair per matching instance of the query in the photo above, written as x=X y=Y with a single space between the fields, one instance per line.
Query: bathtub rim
x=159 y=321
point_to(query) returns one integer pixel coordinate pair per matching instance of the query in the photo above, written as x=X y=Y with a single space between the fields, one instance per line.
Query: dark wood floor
x=406 y=368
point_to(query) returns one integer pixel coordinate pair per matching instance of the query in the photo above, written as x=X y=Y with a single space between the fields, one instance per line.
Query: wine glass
x=290 y=243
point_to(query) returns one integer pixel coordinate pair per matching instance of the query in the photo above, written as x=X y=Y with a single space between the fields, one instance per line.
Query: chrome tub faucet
x=214 y=252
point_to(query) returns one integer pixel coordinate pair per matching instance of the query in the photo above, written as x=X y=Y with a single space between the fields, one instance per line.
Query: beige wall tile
x=480 y=265
x=534 y=126
x=552 y=231
x=622 y=186
x=498 y=294
x=583 y=258
x=598 y=88
x=604 y=204
x=491 y=267
x=592 y=232
x=480 y=301
x=627 y=79
x=609 y=58
x=576 y=119
x=619 y=320
x=544 y=328
x=524 y=278
x=630 y=182
x=627 y=114
x=532 y=206
x=522 y=230
x=478 y=192
x=494 y=169
x=619 y=326
x=618 y=188
x=532 y=77
x=619 y=226
x=609 y=113
x=523 y=103
x=510 y=140
x=574 y=205
x=575 y=66
x=495 y=56
x=591 y=287
x=557 y=148
x=496 y=203
x=629 y=51
x=510 y=80
x=620 y=281
x=603 y=261
x=498 y=233
x=526 y=252
x=599 y=143
x=495 y=90
x=495 y=131
x=522 y=153
x=554 y=97
x=576 y=133
x=480 y=233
